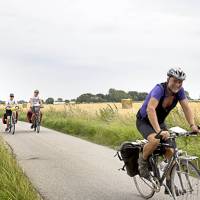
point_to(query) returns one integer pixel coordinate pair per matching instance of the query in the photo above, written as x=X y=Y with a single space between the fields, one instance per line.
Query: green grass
x=106 y=127
x=110 y=132
x=109 y=128
x=14 y=185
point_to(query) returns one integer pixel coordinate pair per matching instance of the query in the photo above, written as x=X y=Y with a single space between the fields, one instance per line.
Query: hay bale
x=127 y=103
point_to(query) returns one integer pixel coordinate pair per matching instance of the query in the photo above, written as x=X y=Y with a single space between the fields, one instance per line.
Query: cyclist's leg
x=148 y=133
x=7 y=122
x=40 y=116
x=33 y=117
x=151 y=146
x=168 y=151
x=16 y=117
x=8 y=114
x=33 y=120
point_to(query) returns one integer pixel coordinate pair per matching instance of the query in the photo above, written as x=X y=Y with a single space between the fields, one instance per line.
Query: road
x=62 y=167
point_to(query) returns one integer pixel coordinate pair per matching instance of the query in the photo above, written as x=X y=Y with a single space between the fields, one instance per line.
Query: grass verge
x=14 y=185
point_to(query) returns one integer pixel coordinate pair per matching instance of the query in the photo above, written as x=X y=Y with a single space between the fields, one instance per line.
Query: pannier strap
x=117 y=154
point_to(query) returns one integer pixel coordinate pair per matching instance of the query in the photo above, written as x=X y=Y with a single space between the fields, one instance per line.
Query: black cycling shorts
x=146 y=129
x=8 y=112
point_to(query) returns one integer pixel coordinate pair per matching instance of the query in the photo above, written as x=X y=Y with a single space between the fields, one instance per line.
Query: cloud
x=94 y=45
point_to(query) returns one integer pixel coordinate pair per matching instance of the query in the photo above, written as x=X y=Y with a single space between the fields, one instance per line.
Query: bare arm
x=151 y=112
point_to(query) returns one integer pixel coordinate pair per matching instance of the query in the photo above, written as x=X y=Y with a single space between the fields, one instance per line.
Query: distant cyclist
x=151 y=116
x=35 y=101
x=9 y=105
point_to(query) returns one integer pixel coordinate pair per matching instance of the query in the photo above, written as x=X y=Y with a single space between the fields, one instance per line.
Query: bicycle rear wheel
x=144 y=186
x=185 y=181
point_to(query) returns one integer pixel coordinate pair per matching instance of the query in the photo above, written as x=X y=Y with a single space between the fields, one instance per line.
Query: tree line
x=112 y=96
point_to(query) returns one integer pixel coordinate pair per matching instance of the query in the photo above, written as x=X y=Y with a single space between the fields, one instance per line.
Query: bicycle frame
x=36 y=118
x=175 y=160
x=170 y=164
x=11 y=122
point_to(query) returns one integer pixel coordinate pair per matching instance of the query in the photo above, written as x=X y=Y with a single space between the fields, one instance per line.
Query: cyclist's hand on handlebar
x=195 y=129
x=165 y=135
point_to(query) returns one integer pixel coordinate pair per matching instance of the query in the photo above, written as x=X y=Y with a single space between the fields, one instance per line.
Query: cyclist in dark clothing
x=151 y=116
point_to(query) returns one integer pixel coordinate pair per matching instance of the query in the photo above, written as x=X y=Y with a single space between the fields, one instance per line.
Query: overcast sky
x=66 y=48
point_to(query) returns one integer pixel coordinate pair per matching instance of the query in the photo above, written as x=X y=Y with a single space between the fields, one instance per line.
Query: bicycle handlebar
x=174 y=134
x=12 y=108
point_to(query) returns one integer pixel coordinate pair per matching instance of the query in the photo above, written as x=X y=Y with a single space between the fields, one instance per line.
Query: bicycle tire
x=185 y=181
x=144 y=187
x=9 y=125
x=13 y=126
x=38 y=126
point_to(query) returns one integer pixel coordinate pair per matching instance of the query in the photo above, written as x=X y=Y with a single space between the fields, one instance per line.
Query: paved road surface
x=63 y=167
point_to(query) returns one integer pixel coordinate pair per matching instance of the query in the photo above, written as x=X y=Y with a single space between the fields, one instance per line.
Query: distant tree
x=142 y=96
x=74 y=100
x=86 y=98
x=188 y=95
x=2 y=102
x=50 y=100
x=116 y=95
x=42 y=101
x=133 y=95
x=59 y=100
x=137 y=96
x=101 y=97
x=22 y=102
x=67 y=101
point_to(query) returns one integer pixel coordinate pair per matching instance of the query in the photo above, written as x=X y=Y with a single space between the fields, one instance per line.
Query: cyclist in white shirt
x=35 y=101
x=10 y=104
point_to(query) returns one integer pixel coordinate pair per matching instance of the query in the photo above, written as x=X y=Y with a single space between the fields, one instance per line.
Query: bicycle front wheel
x=144 y=187
x=38 y=126
x=13 y=126
x=13 y=129
x=185 y=181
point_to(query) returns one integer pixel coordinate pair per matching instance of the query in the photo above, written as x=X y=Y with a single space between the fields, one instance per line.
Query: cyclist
x=151 y=116
x=34 y=101
x=9 y=105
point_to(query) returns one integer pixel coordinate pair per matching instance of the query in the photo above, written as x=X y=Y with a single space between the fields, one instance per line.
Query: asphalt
x=63 y=167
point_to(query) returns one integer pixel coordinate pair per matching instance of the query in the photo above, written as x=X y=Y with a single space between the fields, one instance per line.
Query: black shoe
x=6 y=129
x=143 y=167
x=32 y=126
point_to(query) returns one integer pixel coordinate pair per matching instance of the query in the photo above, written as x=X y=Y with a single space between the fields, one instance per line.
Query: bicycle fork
x=181 y=180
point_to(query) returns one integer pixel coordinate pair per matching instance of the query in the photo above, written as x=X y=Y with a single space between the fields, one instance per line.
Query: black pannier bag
x=129 y=153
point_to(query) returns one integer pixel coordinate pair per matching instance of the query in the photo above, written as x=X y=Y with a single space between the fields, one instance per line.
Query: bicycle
x=37 y=119
x=184 y=170
x=12 y=120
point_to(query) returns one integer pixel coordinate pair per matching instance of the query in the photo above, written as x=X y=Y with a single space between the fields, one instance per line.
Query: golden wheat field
x=94 y=107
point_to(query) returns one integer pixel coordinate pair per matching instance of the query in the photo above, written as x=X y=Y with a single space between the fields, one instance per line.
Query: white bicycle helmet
x=177 y=73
